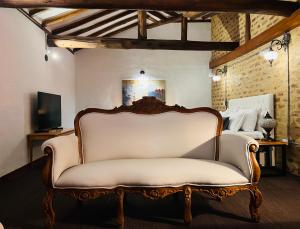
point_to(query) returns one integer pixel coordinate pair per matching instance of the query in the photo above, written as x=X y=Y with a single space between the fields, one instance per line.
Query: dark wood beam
x=101 y=23
x=33 y=12
x=124 y=43
x=82 y=21
x=164 y=22
x=62 y=17
x=275 y=31
x=171 y=13
x=247 y=27
x=113 y=26
x=115 y=32
x=274 y=7
x=149 y=17
x=158 y=15
x=121 y=30
x=184 y=28
x=142 y=24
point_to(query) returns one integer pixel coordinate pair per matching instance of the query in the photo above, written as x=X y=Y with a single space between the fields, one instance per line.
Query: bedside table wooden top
x=272 y=143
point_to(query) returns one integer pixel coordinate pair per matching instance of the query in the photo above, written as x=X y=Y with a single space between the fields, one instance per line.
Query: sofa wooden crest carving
x=154 y=150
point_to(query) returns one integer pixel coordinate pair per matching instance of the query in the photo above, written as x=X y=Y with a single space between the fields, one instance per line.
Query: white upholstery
x=151 y=172
x=234 y=149
x=65 y=153
x=136 y=136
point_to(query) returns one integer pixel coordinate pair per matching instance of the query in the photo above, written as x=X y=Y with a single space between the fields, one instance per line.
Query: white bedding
x=253 y=134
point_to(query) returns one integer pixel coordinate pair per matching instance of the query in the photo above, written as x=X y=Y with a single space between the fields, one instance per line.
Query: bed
x=262 y=104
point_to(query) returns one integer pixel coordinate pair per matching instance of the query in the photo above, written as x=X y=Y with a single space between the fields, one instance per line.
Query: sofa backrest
x=157 y=131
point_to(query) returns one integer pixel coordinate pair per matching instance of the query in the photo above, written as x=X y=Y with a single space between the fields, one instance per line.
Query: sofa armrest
x=239 y=150
x=62 y=153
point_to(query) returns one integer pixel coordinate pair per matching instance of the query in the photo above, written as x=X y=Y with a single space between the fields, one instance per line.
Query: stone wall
x=252 y=75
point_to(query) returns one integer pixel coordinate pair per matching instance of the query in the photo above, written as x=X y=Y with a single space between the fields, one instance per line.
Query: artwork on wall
x=133 y=90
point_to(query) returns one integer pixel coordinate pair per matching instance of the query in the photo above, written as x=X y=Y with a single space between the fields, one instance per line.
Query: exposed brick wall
x=252 y=75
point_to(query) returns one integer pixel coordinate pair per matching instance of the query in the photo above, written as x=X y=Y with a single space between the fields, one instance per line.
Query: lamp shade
x=270 y=55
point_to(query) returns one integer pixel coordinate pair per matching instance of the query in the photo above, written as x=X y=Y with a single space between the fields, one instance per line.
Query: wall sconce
x=217 y=75
x=271 y=55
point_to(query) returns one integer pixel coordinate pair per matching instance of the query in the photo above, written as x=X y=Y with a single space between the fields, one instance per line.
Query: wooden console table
x=266 y=146
x=43 y=136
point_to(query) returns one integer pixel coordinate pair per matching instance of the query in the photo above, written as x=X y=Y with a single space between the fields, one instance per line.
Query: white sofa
x=151 y=149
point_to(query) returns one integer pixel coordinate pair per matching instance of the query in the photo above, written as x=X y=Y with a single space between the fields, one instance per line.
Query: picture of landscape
x=133 y=90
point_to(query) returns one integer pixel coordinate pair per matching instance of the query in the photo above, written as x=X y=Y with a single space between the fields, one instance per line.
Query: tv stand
x=43 y=136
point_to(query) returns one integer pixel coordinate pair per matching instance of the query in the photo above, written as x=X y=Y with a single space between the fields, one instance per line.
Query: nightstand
x=267 y=147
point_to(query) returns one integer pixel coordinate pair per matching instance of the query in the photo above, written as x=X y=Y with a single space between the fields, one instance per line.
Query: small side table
x=43 y=136
x=266 y=146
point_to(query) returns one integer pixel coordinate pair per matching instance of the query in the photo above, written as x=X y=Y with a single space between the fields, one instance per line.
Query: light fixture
x=271 y=55
x=217 y=75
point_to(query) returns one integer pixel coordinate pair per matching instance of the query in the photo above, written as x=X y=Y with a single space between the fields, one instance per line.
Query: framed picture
x=133 y=90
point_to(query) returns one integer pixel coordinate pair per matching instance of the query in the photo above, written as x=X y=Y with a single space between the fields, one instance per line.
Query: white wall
x=99 y=72
x=24 y=72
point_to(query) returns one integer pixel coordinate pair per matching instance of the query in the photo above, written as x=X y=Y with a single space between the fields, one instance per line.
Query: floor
x=21 y=196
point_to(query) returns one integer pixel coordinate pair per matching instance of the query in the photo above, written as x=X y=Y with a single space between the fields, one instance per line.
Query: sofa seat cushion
x=170 y=172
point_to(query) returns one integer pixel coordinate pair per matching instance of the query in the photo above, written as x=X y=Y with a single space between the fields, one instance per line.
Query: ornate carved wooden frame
x=150 y=105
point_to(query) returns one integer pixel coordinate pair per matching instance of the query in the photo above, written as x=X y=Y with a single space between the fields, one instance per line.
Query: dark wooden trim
x=275 y=31
x=247 y=27
x=127 y=43
x=142 y=24
x=101 y=23
x=274 y=7
x=215 y=193
x=184 y=28
x=82 y=21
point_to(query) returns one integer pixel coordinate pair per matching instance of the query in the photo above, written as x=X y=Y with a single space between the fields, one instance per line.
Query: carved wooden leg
x=48 y=208
x=255 y=202
x=187 y=205
x=120 y=195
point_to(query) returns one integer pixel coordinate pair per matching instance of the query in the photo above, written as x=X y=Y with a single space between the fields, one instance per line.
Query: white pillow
x=250 y=120
x=236 y=121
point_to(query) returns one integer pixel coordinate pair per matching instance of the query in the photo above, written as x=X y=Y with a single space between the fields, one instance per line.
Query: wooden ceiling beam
x=142 y=24
x=33 y=12
x=121 y=30
x=62 y=17
x=164 y=22
x=101 y=23
x=158 y=15
x=274 y=7
x=124 y=43
x=275 y=31
x=184 y=28
x=82 y=21
x=149 y=17
x=113 y=26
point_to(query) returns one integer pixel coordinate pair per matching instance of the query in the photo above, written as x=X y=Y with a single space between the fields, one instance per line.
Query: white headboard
x=264 y=103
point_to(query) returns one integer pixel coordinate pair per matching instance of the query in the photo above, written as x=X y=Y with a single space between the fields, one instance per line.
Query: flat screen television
x=48 y=111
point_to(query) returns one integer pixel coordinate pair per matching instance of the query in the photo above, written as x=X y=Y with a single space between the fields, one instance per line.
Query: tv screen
x=49 y=111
